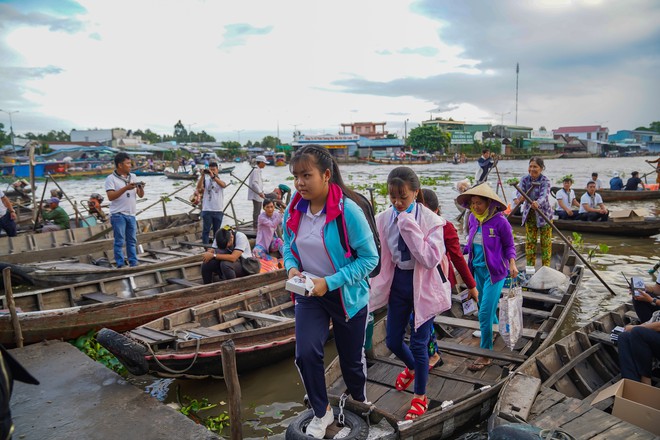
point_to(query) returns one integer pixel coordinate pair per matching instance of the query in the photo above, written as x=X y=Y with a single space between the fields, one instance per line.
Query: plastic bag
x=511 y=316
x=548 y=278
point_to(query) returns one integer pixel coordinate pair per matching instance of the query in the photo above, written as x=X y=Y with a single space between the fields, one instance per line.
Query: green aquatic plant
x=567 y=176
x=193 y=407
x=90 y=346
x=600 y=248
x=513 y=181
x=434 y=181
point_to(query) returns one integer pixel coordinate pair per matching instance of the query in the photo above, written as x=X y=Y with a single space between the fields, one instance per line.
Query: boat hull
x=610 y=195
x=625 y=229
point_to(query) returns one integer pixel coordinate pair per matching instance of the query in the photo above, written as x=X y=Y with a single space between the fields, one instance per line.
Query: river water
x=273 y=394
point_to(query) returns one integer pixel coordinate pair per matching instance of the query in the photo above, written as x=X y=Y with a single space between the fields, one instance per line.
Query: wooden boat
x=120 y=302
x=555 y=388
x=610 y=195
x=187 y=343
x=148 y=173
x=30 y=247
x=181 y=176
x=458 y=396
x=650 y=226
x=160 y=253
x=405 y=161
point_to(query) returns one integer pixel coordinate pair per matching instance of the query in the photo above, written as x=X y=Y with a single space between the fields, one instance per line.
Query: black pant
x=594 y=217
x=637 y=348
x=226 y=270
x=563 y=215
x=644 y=310
x=8 y=224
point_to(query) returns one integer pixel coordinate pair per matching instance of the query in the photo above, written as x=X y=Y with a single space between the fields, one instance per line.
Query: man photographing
x=211 y=191
x=123 y=189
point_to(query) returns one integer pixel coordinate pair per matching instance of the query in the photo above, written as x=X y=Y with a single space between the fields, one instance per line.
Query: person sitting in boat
x=615 y=182
x=634 y=183
x=57 y=217
x=278 y=195
x=7 y=216
x=596 y=180
x=565 y=202
x=267 y=225
x=224 y=258
x=592 y=208
x=56 y=193
x=94 y=207
x=639 y=344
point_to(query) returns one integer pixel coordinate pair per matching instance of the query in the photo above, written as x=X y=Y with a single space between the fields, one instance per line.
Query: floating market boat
x=611 y=195
x=556 y=388
x=649 y=226
x=120 y=302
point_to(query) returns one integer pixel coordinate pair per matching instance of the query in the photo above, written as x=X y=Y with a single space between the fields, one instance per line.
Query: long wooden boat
x=458 y=396
x=188 y=343
x=31 y=247
x=168 y=252
x=181 y=176
x=555 y=388
x=611 y=195
x=120 y=302
x=399 y=161
x=650 y=226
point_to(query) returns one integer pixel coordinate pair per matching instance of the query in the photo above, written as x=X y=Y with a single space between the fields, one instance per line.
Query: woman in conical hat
x=491 y=254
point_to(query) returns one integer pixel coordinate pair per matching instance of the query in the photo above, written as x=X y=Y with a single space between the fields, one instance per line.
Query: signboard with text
x=461 y=137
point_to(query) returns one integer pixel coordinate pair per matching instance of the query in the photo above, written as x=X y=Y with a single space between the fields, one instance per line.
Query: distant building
x=511 y=131
x=632 y=136
x=369 y=130
x=379 y=147
x=543 y=140
x=61 y=145
x=116 y=137
x=342 y=146
x=445 y=124
x=585 y=132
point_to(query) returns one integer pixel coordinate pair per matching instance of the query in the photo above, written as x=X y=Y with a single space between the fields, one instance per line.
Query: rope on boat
x=555 y=434
x=170 y=370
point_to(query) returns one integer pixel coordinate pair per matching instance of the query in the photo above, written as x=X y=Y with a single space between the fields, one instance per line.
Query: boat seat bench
x=100 y=297
x=474 y=325
x=263 y=316
x=182 y=282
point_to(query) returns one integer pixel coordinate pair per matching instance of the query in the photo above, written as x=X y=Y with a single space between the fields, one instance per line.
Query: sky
x=246 y=69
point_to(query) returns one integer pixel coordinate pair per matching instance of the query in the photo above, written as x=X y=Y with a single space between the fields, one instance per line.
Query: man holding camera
x=123 y=190
x=211 y=191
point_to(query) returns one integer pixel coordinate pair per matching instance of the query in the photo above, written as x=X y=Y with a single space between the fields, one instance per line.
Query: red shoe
x=417 y=408
x=404 y=379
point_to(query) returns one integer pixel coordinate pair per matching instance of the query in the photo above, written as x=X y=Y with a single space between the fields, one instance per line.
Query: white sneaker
x=476 y=333
x=317 y=426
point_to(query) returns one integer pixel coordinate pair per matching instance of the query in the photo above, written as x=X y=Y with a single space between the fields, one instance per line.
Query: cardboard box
x=629 y=215
x=300 y=285
x=634 y=402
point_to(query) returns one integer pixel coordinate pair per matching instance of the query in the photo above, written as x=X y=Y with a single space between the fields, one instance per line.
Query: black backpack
x=371 y=219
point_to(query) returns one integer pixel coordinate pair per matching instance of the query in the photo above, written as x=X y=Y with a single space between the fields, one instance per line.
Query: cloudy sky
x=245 y=68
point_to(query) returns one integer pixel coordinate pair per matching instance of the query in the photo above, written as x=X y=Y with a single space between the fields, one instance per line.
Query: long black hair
x=400 y=177
x=319 y=157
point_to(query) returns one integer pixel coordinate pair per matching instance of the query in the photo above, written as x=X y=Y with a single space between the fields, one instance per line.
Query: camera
x=139 y=184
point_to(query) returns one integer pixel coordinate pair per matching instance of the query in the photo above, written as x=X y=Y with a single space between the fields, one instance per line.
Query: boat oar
x=522 y=201
x=499 y=183
x=161 y=199
x=563 y=237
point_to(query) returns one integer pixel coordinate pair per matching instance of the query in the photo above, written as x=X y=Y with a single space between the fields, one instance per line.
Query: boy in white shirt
x=592 y=207
x=566 y=201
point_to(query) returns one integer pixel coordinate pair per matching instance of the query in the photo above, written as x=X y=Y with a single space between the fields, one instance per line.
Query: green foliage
x=51 y=136
x=88 y=345
x=471 y=179
x=233 y=148
x=600 y=248
x=270 y=142
x=567 y=176
x=512 y=181
x=654 y=126
x=429 y=138
x=193 y=407
x=433 y=181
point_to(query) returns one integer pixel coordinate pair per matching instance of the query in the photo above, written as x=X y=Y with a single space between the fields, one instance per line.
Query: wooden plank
x=206 y=332
x=168 y=252
x=152 y=336
x=590 y=423
x=546 y=400
x=601 y=338
x=561 y=413
x=583 y=374
x=182 y=282
x=569 y=366
x=474 y=325
x=521 y=391
x=542 y=297
x=625 y=430
x=263 y=316
x=436 y=372
x=100 y=297
x=536 y=313
x=509 y=356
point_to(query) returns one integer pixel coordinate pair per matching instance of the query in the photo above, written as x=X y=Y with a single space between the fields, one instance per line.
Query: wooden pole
x=9 y=295
x=566 y=240
x=161 y=199
x=33 y=183
x=230 y=204
x=43 y=194
x=230 y=373
x=499 y=184
x=371 y=197
x=75 y=207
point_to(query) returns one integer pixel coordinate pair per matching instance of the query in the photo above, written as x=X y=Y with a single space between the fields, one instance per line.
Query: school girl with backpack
x=409 y=281
x=312 y=243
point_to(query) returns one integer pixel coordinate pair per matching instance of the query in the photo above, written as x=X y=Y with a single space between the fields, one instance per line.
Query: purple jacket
x=498 y=245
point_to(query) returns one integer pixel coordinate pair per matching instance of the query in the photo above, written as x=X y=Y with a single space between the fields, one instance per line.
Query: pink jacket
x=424 y=238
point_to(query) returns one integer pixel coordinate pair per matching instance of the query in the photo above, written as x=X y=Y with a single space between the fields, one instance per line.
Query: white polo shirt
x=214 y=196
x=3 y=208
x=241 y=243
x=126 y=203
x=593 y=202
x=566 y=198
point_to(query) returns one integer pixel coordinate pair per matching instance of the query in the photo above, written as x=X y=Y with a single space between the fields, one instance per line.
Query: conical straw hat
x=483 y=190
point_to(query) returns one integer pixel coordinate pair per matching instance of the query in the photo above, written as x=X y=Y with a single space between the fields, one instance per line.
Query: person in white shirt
x=566 y=201
x=7 y=215
x=256 y=189
x=224 y=256
x=592 y=207
x=211 y=191
x=122 y=188
x=597 y=181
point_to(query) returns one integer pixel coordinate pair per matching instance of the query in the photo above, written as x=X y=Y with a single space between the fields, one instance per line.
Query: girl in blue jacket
x=341 y=293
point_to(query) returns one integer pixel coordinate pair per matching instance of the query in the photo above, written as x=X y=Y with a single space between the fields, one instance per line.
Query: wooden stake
x=566 y=240
x=233 y=389
x=9 y=295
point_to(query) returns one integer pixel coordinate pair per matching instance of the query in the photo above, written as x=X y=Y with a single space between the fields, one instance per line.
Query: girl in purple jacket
x=491 y=252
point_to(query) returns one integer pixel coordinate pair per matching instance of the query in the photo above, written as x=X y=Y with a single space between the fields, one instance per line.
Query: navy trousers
x=399 y=308
x=313 y=315
x=637 y=348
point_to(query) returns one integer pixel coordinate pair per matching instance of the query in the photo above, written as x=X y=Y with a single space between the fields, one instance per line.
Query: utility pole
x=405 y=132
x=239 y=136
x=517 y=74
x=11 y=126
